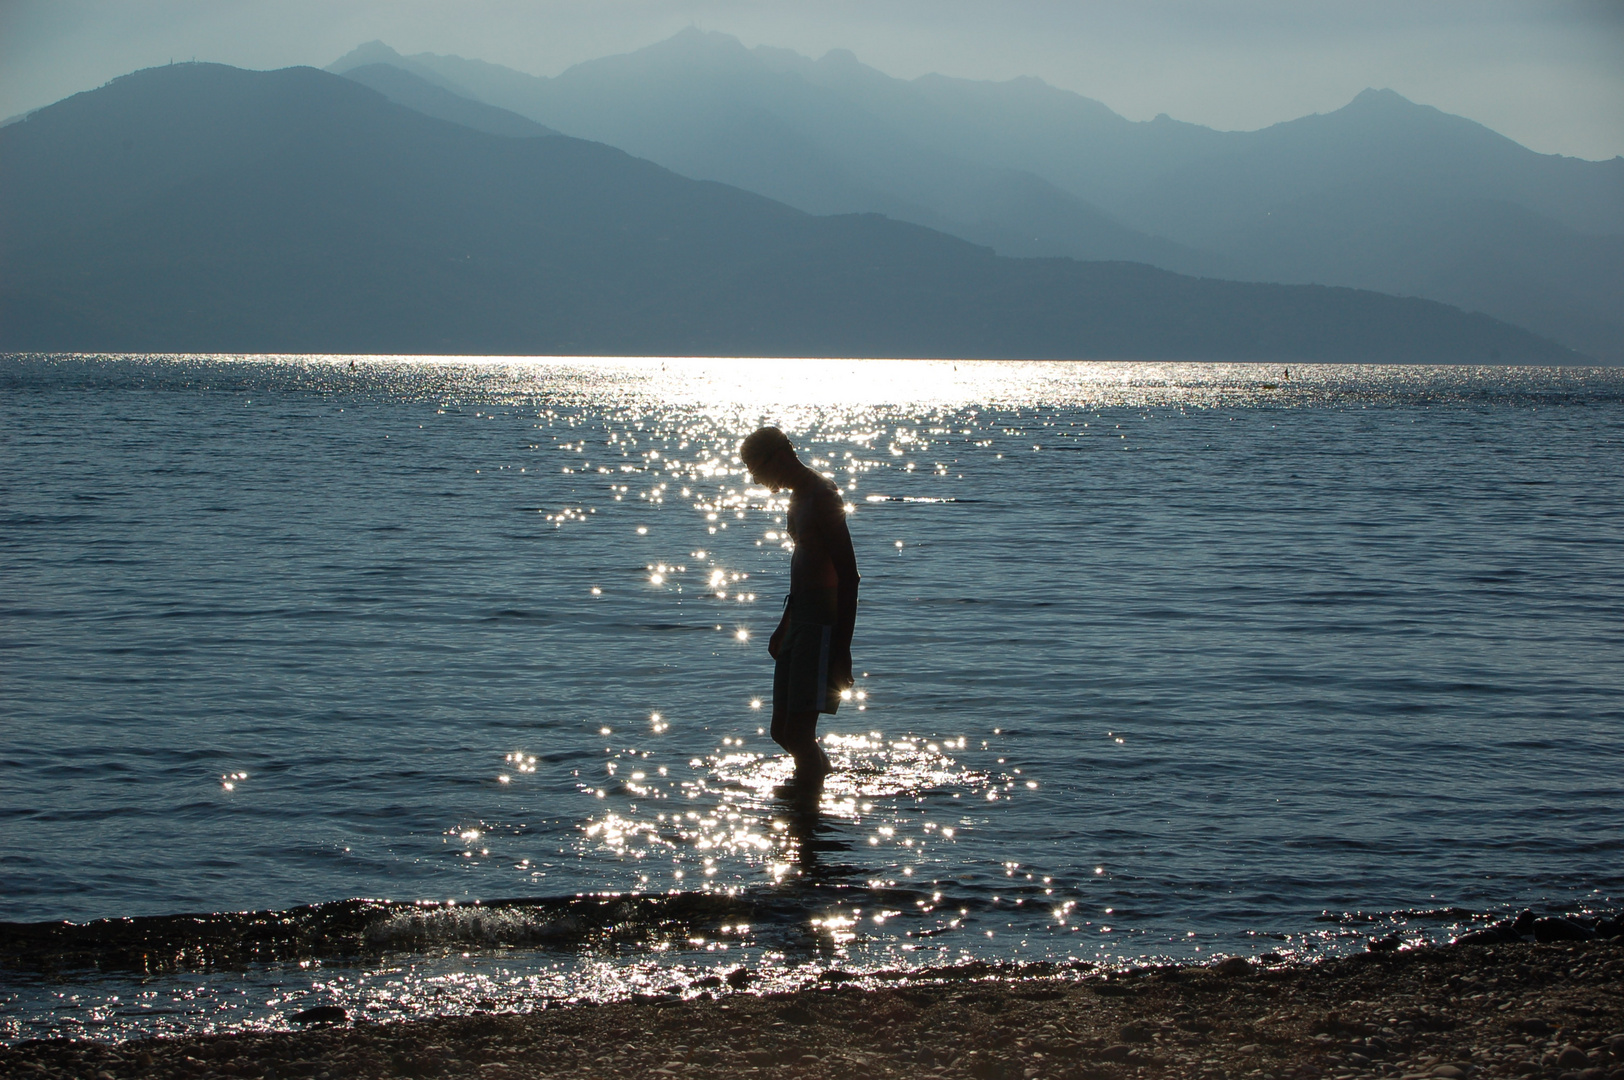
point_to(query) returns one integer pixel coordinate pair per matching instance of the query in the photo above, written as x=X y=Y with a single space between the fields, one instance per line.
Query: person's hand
x=775 y=642
x=840 y=668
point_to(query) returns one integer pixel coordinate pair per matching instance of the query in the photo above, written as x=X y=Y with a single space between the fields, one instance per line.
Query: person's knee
x=801 y=728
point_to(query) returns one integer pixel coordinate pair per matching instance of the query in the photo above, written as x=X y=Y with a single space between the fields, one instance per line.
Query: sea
x=438 y=685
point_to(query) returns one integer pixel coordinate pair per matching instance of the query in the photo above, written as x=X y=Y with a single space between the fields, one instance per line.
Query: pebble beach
x=1503 y=1009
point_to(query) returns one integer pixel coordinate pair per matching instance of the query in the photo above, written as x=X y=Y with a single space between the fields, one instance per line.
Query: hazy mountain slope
x=349 y=223
x=1077 y=143
x=1383 y=194
x=415 y=92
x=1481 y=254
x=1072 y=141
x=1571 y=293
x=1081 y=145
x=1388 y=195
x=109 y=151
x=1030 y=169
x=1379 y=141
x=705 y=106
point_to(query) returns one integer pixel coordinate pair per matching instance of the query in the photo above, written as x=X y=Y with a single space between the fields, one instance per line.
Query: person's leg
x=798 y=688
x=797 y=732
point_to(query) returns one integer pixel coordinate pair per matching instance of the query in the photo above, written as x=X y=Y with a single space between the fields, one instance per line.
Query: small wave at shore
x=358 y=928
x=187 y=974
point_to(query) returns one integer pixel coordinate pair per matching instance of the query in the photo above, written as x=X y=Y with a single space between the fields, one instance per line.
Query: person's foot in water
x=813 y=765
x=800 y=791
x=796 y=732
x=811 y=768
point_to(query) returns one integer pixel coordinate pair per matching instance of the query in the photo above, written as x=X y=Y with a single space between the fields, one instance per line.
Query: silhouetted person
x=812 y=645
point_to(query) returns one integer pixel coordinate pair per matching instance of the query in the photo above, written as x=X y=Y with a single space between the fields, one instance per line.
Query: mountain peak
x=1384 y=102
x=1372 y=96
x=692 y=39
x=373 y=52
x=841 y=58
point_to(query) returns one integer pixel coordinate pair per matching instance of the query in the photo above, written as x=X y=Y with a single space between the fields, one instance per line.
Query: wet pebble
x=321 y=1014
x=1553 y=928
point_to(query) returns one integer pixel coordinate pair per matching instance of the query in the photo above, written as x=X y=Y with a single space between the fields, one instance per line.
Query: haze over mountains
x=199 y=207
x=1382 y=194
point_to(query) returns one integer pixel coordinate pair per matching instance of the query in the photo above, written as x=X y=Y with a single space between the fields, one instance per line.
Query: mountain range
x=199 y=207
x=1383 y=194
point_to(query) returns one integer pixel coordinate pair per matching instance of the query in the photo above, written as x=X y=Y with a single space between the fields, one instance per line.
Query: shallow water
x=1158 y=661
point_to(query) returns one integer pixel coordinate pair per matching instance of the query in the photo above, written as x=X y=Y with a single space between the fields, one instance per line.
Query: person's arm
x=845 y=564
x=776 y=642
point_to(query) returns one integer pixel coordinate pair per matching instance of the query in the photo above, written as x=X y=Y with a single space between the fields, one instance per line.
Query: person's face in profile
x=769 y=471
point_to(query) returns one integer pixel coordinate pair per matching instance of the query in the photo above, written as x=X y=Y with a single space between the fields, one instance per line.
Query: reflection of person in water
x=812 y=645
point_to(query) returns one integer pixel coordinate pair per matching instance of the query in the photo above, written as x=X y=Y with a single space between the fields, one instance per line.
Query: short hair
x=762 y=444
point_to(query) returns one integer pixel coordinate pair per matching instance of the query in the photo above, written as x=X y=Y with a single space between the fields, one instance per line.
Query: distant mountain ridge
x=199 y=207
x=1339 y=198
x=704 y=106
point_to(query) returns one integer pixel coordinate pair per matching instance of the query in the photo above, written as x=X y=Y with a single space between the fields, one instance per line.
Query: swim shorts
x=801 y=675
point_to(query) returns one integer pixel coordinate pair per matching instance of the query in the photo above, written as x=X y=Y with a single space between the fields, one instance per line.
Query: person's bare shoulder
x=827 y=502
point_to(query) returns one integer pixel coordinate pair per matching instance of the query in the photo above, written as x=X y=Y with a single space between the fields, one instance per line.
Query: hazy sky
x=1548 y=73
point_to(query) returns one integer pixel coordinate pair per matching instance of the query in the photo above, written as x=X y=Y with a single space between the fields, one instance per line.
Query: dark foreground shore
x=1511 y=1009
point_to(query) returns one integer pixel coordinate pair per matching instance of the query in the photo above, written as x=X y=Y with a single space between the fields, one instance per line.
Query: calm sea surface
x=1156 y=661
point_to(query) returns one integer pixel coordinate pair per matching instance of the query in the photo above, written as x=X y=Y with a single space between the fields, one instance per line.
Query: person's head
x=766 y=452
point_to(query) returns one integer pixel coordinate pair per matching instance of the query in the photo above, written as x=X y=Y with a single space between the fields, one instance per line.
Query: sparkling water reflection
x=1155 y=660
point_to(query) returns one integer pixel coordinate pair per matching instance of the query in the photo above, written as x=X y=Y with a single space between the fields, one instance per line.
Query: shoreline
x=1469 y=1009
